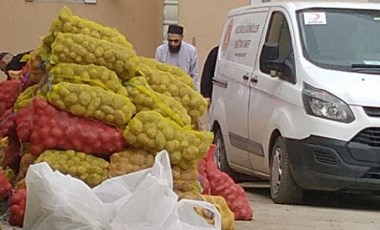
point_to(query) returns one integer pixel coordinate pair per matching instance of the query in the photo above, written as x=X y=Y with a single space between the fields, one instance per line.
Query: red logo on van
x=227 y=36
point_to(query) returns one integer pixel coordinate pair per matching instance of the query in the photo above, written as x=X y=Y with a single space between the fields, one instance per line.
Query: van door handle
x=245 y=77
x=254 y=80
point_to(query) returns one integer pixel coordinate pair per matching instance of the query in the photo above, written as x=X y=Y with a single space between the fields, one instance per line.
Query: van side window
x=278 y=32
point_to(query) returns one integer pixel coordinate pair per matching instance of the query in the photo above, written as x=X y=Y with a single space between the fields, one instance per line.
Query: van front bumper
x=319 y=163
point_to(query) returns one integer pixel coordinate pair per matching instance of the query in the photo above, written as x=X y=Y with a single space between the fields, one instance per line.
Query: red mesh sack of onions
x=56 y=129
x=9 y=91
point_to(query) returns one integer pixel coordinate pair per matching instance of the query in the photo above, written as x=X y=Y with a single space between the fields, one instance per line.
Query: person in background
x=179 y=53
x=208 y=74
x=10 y=62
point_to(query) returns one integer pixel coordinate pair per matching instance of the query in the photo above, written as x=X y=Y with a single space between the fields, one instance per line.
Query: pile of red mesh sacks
x=216 y=182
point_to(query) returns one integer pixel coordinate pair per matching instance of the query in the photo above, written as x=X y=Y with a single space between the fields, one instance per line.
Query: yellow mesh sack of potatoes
x=4 y=142
x=25 y=98
x=190 y=174
x=92 y=102
x=153 y=132
x=187 y=186
x=26 y=160
x=186 y=180
x=90 y=169
x=67 y=22
x=228 y=217
x=169 y=85
x=189 y=195
x=87 y=74
x=130 y=160
x=171 y=69
x=83 y=49
x=145 y=99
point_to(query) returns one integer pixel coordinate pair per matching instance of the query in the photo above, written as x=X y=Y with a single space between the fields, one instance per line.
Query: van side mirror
x=279 y=66
x=270 y=58
x=270 y=51
x=285 y=71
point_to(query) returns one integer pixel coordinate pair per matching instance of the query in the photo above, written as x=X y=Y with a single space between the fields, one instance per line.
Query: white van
x=296 y=97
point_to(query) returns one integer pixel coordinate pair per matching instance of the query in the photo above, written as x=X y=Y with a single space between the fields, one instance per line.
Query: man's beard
x=174 y=49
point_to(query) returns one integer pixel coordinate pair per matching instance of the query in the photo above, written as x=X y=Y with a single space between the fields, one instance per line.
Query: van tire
x=220 y=155
x=283 y=188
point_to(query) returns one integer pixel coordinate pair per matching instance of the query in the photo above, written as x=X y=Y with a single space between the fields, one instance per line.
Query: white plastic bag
x=143 y=200
x=56 y=201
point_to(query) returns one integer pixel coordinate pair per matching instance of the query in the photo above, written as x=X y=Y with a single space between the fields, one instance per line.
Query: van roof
x=294 y=6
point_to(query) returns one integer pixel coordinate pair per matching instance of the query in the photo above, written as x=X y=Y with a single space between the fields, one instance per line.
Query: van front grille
x=372 y=111
x=370 y=136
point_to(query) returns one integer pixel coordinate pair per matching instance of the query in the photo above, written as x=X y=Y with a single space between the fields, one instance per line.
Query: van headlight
x=323 y=104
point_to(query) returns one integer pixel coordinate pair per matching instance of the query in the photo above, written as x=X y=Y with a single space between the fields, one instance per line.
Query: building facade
x=143 y=22
x=25 y=22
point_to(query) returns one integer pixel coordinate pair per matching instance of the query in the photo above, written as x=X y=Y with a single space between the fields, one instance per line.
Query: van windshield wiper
x=365 y=66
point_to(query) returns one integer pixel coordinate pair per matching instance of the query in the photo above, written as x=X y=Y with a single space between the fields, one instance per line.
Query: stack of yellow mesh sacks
x=80 y=67
x=90 y=70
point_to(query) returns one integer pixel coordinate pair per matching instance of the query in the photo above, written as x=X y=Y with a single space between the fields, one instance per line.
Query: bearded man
x=179 y=53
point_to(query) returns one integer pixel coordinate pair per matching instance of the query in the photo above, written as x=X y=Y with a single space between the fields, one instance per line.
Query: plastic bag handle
x=189 y=205
x=163 y=169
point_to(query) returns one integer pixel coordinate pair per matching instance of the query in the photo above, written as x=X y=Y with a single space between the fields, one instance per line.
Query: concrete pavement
x=320 y=211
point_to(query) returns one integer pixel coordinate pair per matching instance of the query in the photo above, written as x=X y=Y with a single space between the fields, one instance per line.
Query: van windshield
x=341 y=39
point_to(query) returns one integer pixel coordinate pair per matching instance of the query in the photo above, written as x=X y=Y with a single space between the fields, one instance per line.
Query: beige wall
x=204 y=20
x=23 y=23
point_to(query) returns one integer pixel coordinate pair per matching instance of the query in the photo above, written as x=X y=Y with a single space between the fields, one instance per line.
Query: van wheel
x=220 y=155
x=283 y=188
